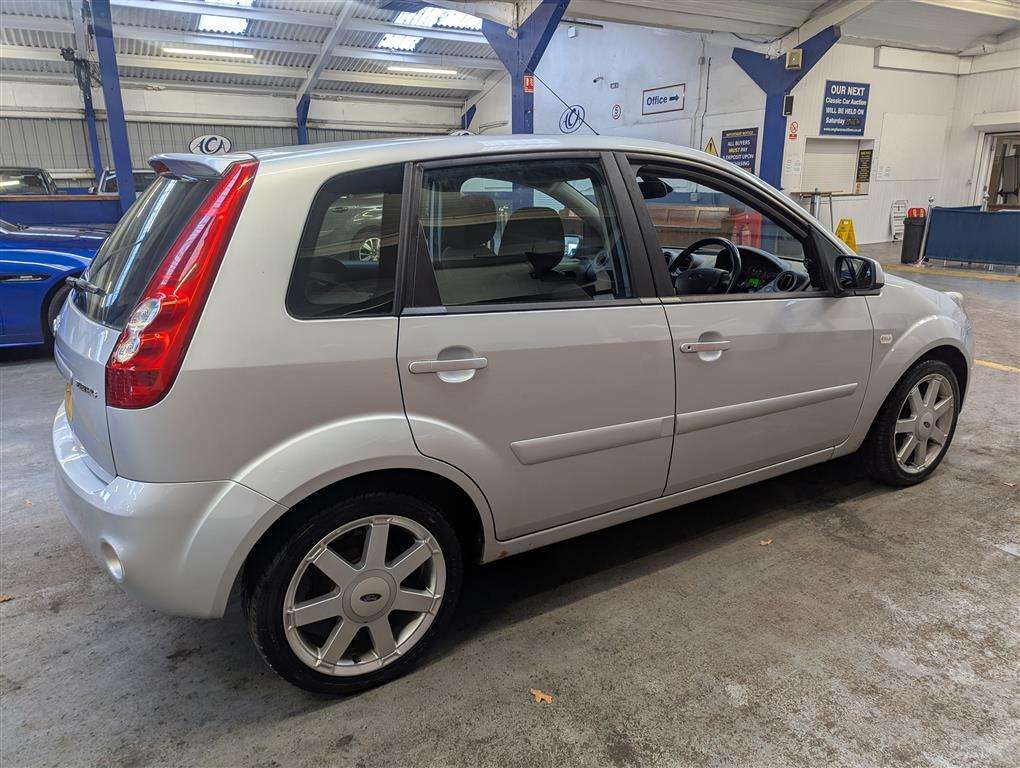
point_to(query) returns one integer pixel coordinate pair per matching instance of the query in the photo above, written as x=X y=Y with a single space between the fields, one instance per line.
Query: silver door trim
x=500 y=548
x=540 y=449
x=727 y=414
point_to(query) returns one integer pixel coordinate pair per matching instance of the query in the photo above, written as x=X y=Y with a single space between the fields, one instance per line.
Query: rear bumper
x=176 y=547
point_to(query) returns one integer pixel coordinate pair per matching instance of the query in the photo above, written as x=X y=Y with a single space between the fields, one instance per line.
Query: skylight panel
x=399 y=42
x=439 y=17
x=232 y=25
x=227 y=24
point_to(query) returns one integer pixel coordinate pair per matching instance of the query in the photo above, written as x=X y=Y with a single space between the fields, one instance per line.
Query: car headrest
x=468 y=221
x=534 y=233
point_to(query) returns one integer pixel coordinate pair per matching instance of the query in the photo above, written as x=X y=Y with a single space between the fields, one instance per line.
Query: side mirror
x=858 y=275
x=653 y=189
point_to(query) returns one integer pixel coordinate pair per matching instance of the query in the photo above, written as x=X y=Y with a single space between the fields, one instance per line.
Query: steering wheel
x=705 y=279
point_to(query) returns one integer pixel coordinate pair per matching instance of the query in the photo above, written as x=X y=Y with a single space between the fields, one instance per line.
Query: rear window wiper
x=81 y=284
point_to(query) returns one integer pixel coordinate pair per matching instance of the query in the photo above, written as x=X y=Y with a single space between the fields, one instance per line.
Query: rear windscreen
x=130 y=256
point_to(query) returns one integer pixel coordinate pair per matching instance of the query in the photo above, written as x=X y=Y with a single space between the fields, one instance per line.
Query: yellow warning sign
x=710 y=147
x=845 y=232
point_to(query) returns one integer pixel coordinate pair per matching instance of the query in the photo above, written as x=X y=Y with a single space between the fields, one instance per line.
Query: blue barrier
x=56 y=210
x=972 y=235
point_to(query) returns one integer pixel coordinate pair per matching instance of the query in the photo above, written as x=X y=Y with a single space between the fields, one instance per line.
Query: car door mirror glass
x=857 y=273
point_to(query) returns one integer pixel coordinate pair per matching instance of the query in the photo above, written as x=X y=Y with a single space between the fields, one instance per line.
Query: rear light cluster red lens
x=148 y=355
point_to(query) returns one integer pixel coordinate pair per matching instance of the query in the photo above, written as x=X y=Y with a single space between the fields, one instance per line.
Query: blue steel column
x=102 y=29
x=521 y=55
x=90 y=126
x=302 y=118
x=772 y=76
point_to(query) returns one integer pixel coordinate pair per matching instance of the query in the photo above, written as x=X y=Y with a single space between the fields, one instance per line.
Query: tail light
x=148 y=355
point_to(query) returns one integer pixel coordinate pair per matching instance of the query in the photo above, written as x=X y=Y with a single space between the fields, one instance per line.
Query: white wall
x=492 y=114
x=31 y=99
x=639 y=58
x=991 y=99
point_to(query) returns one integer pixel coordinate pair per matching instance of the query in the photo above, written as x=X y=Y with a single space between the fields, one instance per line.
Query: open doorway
x=1003 y=187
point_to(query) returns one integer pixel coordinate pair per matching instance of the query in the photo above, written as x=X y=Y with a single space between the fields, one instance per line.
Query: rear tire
x=910 y=436
x=355 y=593
x=51 y=310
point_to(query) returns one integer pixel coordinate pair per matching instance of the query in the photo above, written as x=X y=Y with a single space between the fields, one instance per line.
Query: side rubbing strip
x=727 y=414
x=540 y=449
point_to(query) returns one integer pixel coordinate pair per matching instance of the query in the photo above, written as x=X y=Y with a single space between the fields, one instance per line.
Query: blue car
x=34 y=262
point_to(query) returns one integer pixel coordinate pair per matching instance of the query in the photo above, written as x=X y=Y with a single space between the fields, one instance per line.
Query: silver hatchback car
x=555 y=335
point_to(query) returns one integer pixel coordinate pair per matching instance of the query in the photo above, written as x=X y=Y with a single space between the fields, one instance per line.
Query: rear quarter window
x=131 y=255
x=347 y=257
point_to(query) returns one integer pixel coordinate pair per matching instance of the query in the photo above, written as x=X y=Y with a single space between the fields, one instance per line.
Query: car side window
x=543 y=230
x=347 y=257
x=694 y=220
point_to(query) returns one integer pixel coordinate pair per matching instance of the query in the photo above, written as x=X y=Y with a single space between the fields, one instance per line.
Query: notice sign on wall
x=844 y=108
x=740 y=147
x=667 y=98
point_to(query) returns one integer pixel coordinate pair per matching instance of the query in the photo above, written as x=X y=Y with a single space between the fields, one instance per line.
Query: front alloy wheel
x=914 y=427
x=353 y=594
x=925 y=418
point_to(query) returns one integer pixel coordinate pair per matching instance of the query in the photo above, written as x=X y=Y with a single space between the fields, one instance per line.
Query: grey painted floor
x=879 y=628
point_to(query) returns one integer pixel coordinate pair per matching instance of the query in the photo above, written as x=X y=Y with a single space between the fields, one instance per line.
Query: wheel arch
x=948 y=351
x=455 y=494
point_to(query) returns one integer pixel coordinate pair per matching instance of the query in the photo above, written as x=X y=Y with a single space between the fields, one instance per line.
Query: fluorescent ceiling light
x=10 y=182
x=423 y=70
x=399 y=42
x=439 y=17
x=198 y=52
x=228 y=24
x=232 y=3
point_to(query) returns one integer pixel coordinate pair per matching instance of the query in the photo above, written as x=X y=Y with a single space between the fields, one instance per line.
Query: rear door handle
x=704 y=346
x=438 y=366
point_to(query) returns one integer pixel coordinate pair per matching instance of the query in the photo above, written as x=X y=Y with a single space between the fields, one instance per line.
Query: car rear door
x=762 y=377
x=543 y=372
x=92 y=319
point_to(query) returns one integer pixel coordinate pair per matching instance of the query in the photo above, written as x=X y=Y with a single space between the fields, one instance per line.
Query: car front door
x=772 y=371
x=533 y=355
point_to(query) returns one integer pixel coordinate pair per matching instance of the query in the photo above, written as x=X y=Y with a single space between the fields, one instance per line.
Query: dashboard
x=758 y=269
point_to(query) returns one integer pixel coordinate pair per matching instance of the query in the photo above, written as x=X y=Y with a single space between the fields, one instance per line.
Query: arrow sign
x=665 y=98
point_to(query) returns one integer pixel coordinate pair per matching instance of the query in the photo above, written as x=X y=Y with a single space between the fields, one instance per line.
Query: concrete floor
x=879 y=628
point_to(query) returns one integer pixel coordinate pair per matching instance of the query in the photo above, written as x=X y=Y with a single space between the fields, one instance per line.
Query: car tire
x=286 y=567
x=51 y=310
x=891 y=451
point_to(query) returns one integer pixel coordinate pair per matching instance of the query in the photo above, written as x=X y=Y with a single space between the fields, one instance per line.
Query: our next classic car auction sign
x=740 y=147
x=844 y=108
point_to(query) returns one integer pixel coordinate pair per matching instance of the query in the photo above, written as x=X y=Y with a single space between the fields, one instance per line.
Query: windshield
x=130 y=256
x=15 y=181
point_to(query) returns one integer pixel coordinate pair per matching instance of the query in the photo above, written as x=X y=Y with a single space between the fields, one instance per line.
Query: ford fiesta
x=554 y=335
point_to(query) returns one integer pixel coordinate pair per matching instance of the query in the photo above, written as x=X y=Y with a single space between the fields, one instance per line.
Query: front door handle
x=704 y=346
x=438 y=366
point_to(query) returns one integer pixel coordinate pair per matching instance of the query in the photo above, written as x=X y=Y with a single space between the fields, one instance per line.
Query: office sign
x=844 y=108
x=740 y=147
x=210 y=144
x=666 y=98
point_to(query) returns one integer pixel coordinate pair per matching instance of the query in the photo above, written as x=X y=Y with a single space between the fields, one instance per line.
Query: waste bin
x=913 y=235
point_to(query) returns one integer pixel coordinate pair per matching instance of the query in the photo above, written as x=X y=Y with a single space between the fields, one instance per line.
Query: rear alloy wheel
x=358 y=594
x=915 y=426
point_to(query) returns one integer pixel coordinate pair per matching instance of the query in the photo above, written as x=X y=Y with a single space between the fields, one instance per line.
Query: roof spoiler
x=185 y=165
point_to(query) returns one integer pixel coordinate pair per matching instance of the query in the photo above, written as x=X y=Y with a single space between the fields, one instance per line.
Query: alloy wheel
x=923 y=424
x=369 y=250
x=364 y=595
